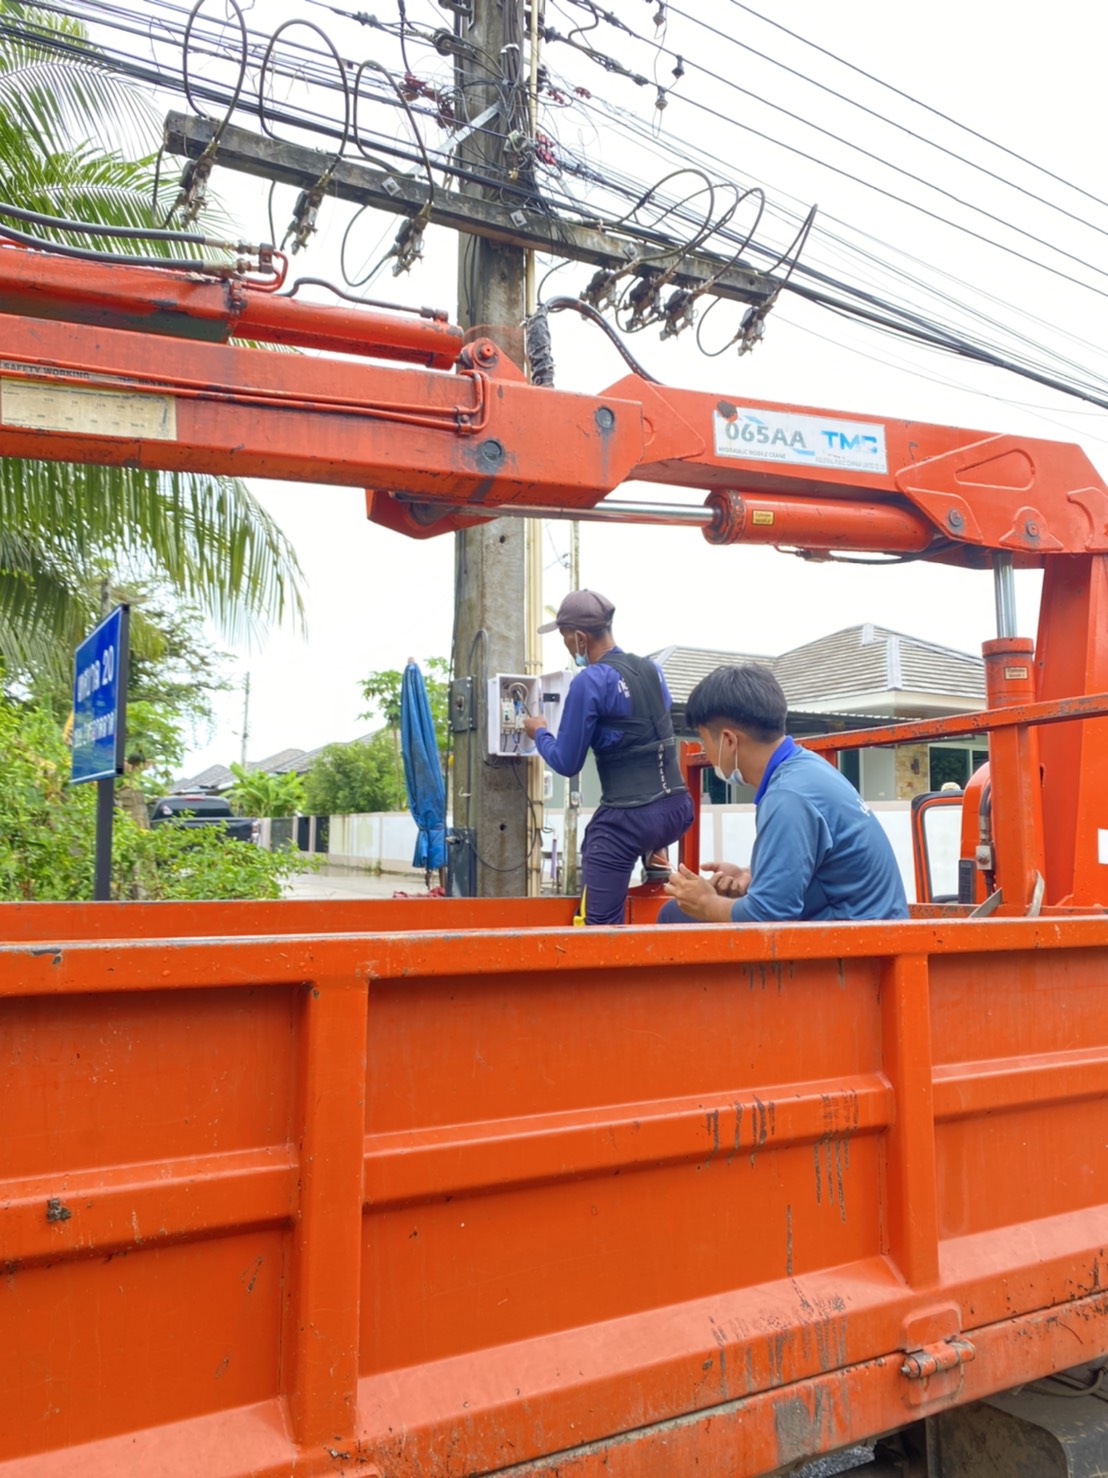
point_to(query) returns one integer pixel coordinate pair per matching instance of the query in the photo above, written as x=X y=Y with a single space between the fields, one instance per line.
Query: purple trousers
x=615 y=839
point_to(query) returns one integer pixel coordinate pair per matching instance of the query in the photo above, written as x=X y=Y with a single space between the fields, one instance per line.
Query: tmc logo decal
x=838 y=441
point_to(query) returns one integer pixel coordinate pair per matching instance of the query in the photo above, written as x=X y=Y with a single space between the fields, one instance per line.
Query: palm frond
x=43 y=612
x=210 y=536
x=82 y=185
x=61 y=117
x=55 y=87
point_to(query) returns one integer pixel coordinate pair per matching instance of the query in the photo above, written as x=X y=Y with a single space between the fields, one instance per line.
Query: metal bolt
x=1031 y=529
x=486 y=351
x=955 y=519
x=605 y=418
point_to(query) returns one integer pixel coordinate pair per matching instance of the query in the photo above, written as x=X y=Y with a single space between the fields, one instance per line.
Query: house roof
x=305 y=758
x=685 y=666
x=275 y=764
x=298 y=761
x=219 y=777
x=215 y=777
x=871 y=659
x=845 y=668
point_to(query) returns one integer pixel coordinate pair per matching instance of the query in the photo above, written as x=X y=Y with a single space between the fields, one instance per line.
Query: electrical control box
x=511 y=697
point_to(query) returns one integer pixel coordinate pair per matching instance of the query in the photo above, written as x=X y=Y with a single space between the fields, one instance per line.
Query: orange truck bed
x=449 y=1188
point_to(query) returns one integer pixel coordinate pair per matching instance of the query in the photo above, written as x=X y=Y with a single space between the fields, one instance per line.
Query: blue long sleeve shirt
x=820 y=853
x=595 y=694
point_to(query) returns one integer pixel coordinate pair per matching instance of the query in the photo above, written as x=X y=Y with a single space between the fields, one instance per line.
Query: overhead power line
x=853 y=102
x=873 y=262
x=844 y=270
x=908 y=97
x=868 y=184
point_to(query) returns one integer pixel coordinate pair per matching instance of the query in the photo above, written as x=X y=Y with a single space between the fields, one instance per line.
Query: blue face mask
x=580 y=659
x=735 y=777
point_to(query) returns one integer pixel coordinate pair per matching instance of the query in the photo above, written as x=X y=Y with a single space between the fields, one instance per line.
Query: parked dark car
x=204 y=810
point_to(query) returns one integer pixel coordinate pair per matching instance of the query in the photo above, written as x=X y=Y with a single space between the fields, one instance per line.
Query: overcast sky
x=375 y=598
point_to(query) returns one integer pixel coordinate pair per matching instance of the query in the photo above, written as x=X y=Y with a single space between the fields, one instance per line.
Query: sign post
x=99 y=727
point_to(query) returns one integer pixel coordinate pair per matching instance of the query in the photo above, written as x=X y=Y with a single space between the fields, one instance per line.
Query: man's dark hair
x=748 y=697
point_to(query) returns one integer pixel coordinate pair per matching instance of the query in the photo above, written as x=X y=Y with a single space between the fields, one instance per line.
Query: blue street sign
x=100 y=700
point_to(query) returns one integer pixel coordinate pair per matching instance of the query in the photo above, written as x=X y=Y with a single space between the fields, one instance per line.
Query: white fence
x=381 y=839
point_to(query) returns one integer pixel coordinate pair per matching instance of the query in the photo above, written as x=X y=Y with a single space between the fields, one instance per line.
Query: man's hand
x=531 y=726
x=728 y=880
x=697 y=897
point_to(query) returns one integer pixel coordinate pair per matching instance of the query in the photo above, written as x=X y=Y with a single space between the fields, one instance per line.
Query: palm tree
x=61 y=109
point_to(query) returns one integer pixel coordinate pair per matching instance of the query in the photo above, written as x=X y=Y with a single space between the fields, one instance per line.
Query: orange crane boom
x=85 y=376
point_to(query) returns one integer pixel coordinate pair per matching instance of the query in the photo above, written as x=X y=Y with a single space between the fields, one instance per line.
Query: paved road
x=843 y=1462
x=337 y=883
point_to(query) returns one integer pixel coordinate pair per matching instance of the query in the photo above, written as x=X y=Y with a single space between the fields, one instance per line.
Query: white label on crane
x=80 y=412
x=760 y=435
x=1102 y=845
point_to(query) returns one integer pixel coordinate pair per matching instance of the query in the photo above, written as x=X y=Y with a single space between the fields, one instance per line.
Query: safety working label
x=809 y=441
x=96 y=412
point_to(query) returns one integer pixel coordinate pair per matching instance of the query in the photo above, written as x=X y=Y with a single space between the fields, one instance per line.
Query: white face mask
x=735 y=777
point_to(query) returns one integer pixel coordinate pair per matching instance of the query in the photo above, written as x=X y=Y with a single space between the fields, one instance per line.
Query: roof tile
x=841 y=667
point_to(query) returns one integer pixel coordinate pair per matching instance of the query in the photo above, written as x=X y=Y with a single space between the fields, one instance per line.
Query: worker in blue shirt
x=617 y=705
x=820 y=853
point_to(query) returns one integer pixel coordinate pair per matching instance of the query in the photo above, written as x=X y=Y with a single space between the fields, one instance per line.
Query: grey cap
x=582 y=610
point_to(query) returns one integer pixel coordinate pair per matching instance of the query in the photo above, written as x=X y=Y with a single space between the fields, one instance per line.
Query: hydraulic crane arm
x=131 y=365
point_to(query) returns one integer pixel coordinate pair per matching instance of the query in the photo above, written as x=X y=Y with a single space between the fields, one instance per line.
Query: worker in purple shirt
x=617 y=706
x=820 y=853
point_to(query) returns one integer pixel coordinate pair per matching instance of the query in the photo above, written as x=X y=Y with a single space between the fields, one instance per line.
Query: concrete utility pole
x=533 y=539
x=491 y=799
x=245 y=720
x=573 y=784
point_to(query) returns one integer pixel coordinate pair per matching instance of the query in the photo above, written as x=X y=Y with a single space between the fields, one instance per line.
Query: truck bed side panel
x=458 y=1201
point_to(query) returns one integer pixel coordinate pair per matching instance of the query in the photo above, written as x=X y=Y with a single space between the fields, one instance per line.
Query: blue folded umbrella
x=422 y=772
